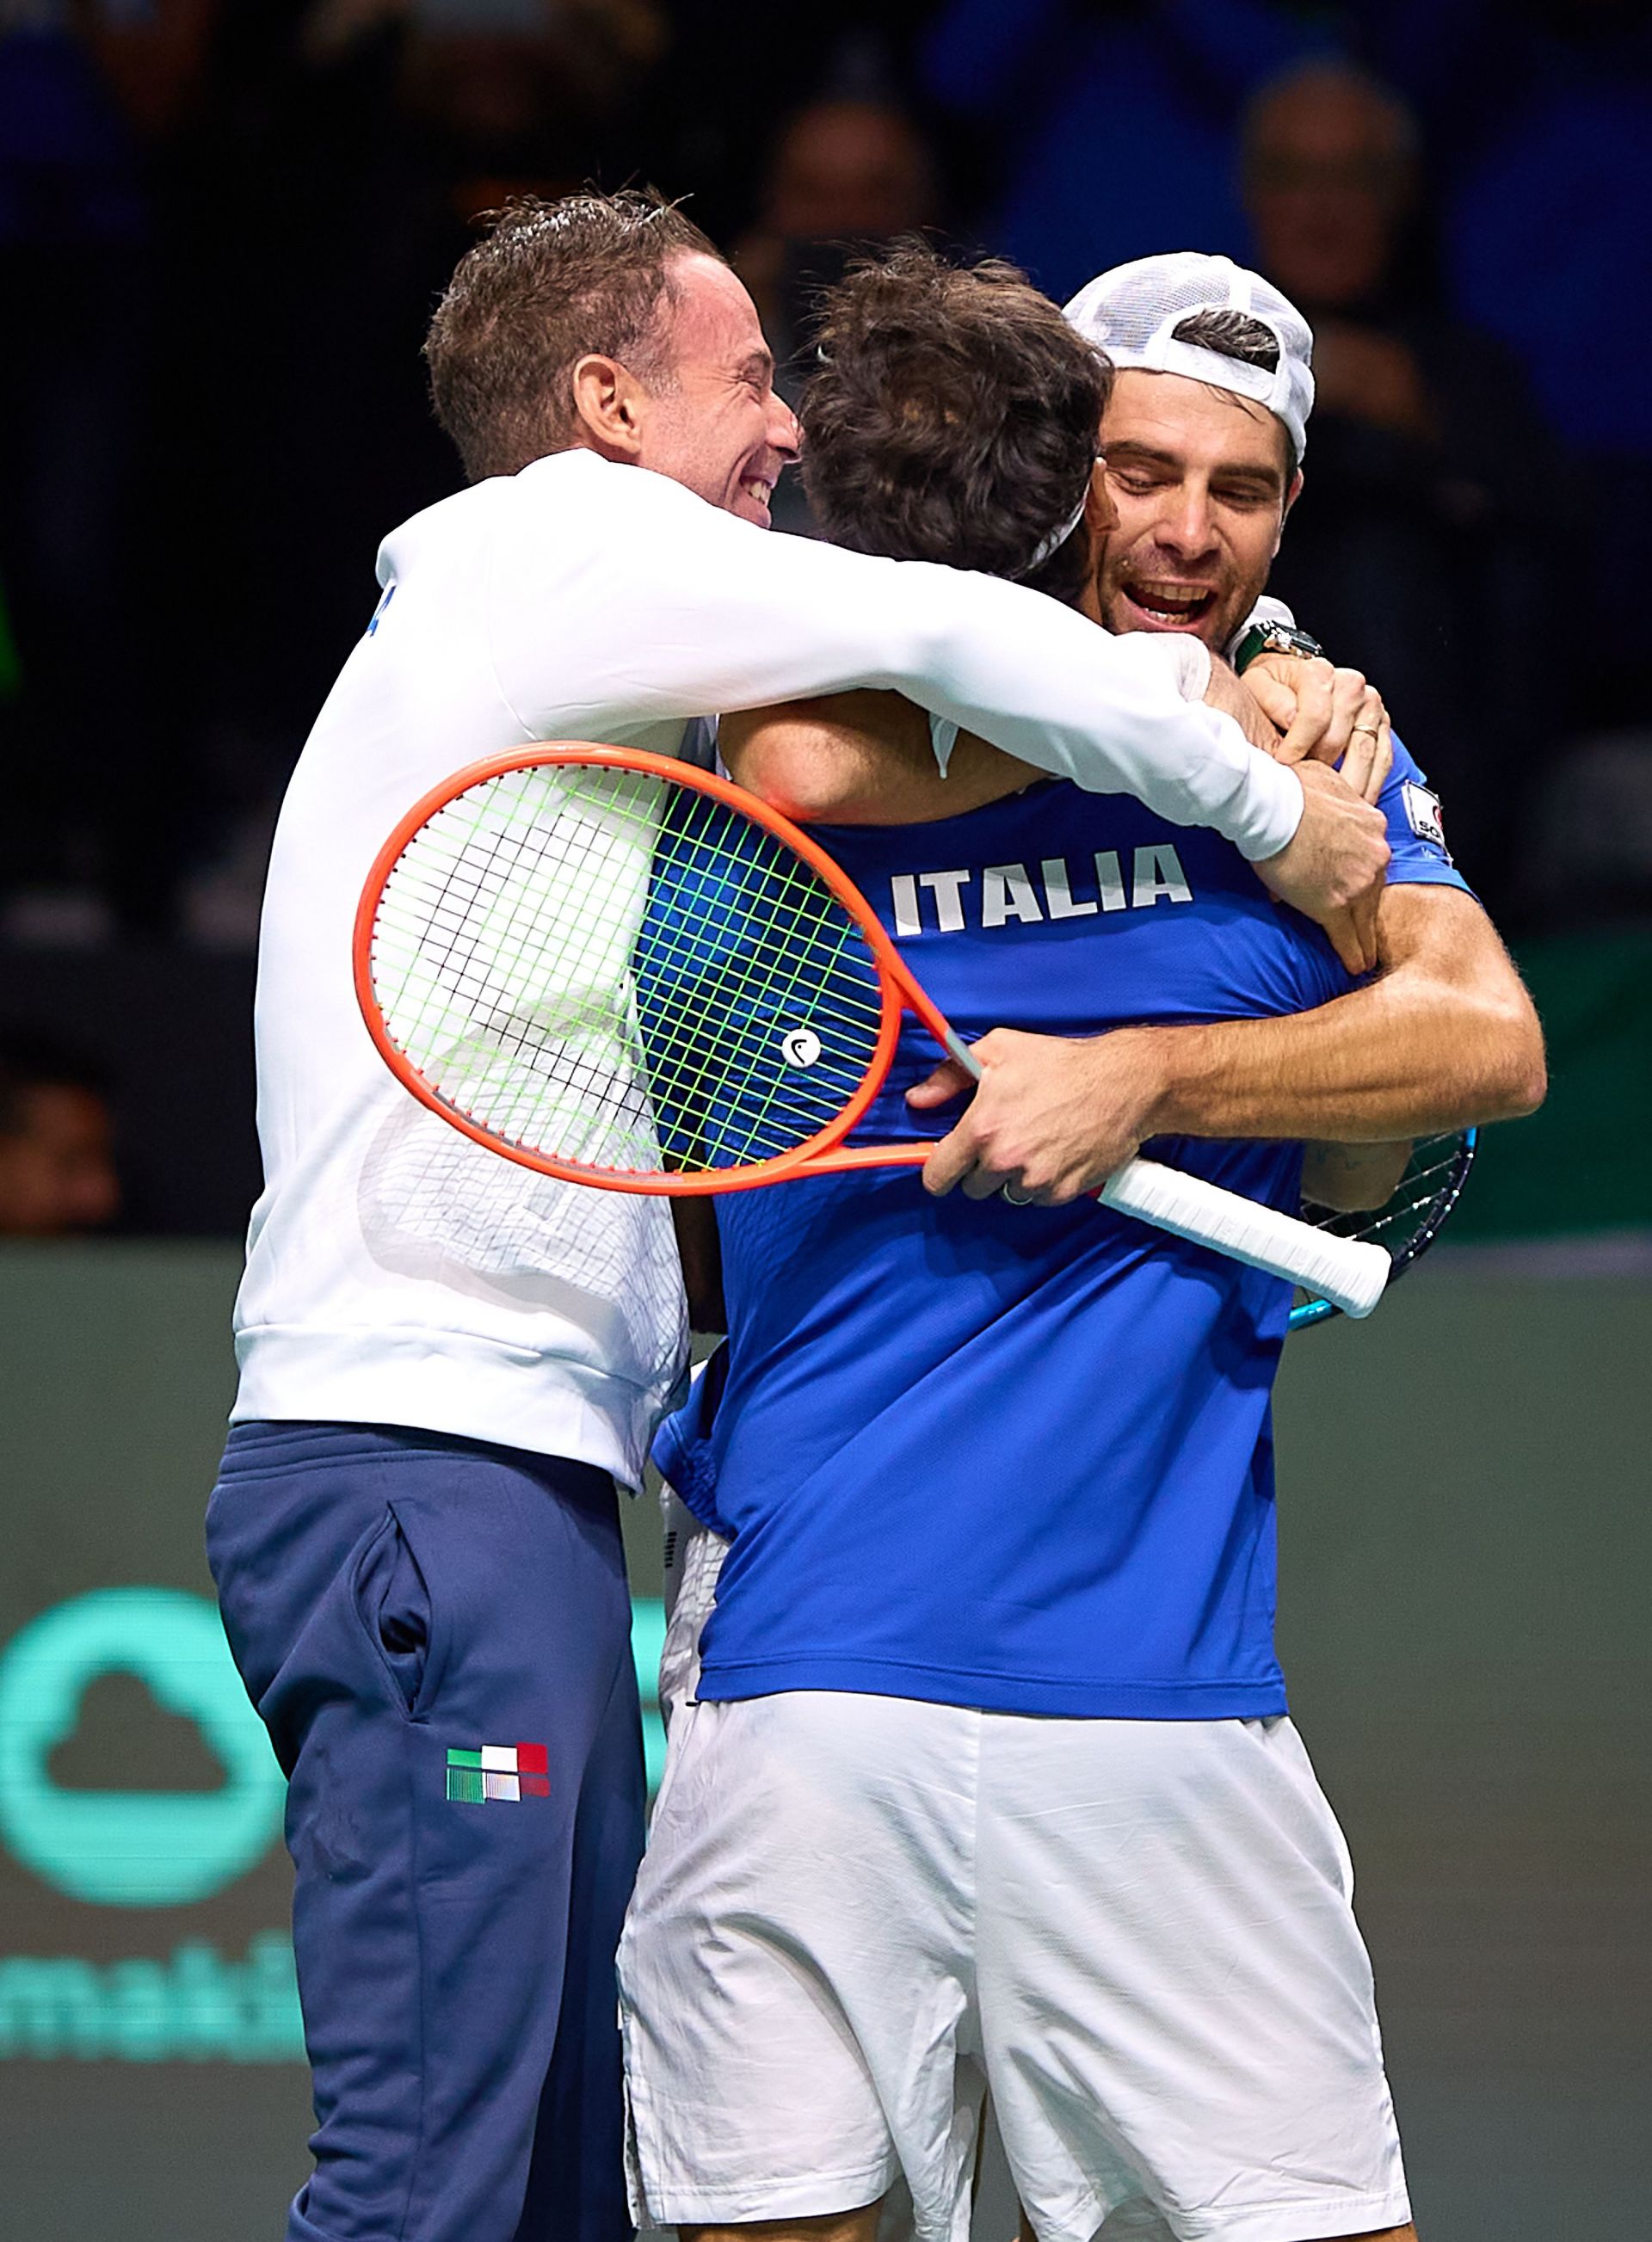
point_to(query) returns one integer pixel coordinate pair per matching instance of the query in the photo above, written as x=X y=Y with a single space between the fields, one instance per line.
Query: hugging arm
x=687 y=612
x=865 y=758
x=1445 y=1035
x=735 y=619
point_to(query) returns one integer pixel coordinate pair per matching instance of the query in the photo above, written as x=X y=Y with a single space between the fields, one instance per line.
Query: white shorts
x=693 y=1560
x=855 y=1910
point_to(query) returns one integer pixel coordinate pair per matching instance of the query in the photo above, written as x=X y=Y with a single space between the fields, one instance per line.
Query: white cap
x=1132 y=313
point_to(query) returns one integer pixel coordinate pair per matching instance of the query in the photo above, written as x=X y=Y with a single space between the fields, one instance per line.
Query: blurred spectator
x=1539 y=115
x=57 y=1157
x=1422 y=548
x=1549 y=247
x=738 y=66
x=841 y=170
x=152 y=54
x=74 y=232
x=1112 y=120
x=519 y=94
x=367 y=146
x=844 y=174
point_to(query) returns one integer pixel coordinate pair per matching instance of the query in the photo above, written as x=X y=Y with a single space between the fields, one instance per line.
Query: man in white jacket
x=447 y=1362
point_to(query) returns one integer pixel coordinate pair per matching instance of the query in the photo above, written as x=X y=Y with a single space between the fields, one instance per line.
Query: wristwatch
x=1270 y=637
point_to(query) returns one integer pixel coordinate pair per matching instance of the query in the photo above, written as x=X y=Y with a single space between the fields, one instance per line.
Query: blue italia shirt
x=1019 y=1458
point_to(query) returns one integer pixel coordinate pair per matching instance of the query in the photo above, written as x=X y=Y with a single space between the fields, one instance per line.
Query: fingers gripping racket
x=621 y=970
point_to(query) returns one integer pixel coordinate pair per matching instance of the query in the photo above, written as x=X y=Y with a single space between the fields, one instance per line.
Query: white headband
x=1058 y=538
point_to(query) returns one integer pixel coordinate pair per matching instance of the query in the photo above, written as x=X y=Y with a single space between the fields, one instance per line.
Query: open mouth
x=757 y=490
x=1167 y=605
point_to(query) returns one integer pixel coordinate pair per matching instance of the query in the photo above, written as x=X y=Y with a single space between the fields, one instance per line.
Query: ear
x=610 y=404
x=1101 y=519
x=1101 y=515
x=1290 y=498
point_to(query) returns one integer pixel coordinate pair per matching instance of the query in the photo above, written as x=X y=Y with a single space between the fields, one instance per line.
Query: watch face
x=1273 y=638
x=1279 y=639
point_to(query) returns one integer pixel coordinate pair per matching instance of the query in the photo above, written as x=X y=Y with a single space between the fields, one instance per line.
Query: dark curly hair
x=953 y=418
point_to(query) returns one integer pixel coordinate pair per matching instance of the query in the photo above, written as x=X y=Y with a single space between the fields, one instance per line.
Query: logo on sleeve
x=507 y=1771
x=1423 y=813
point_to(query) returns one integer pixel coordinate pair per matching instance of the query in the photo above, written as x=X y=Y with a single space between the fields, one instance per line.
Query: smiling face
x=1199 y=479
x=714 y=422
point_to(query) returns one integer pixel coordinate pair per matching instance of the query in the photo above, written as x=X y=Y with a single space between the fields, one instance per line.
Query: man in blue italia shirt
x=989 y=1776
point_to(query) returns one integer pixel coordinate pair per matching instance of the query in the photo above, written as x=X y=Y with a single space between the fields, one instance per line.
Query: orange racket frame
x=825 y=1153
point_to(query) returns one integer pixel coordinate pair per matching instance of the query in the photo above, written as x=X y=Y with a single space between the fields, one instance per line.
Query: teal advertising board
x=152 y=2053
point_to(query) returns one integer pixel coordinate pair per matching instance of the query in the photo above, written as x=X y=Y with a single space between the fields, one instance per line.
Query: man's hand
x=1333 y=869
x=1228 y=692
x=1051 y=1118
x=1353 y=1179
x=1332 y=715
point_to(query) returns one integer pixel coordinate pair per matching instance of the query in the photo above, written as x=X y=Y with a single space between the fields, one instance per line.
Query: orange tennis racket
x=620 y=971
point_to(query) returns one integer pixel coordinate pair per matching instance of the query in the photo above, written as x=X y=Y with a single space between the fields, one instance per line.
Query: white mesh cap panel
x=1132 y=313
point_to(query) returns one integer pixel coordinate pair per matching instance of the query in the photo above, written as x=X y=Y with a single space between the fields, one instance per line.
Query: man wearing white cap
x=1242 y=356
x=1203 y=438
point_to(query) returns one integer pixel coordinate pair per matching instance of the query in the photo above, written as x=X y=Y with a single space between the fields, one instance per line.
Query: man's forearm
x=1446 y=1037
x=687 y=612
x=1194 y=768
x=1323 y=1074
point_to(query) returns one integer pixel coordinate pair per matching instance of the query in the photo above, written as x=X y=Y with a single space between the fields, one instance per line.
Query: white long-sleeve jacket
x=398 y=1273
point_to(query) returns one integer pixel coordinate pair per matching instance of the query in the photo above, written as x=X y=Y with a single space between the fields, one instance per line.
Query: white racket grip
x=1345 y=1271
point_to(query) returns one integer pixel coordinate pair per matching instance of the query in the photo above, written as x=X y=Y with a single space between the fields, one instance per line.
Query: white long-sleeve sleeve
x=614 y=595
x=397 y=1274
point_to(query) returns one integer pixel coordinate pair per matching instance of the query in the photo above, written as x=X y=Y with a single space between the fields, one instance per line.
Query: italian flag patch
x=509 y=1771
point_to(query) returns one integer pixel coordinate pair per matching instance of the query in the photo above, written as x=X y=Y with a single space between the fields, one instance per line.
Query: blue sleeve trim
x=1425 y=872
x=1415 y=862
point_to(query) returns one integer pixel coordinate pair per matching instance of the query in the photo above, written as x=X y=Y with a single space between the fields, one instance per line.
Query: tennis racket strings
x=622 y=975
x=1408 y=1223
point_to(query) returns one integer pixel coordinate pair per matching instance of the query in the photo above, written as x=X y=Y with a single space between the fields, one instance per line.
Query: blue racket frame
x=1307 y=1314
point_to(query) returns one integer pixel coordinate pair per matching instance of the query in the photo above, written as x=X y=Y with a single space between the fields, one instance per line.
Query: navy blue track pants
x=437 y=1634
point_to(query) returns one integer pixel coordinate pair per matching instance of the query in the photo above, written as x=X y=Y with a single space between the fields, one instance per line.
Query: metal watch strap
x=1273 y=638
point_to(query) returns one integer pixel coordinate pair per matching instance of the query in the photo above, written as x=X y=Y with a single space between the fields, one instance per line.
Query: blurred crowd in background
x=224 y=223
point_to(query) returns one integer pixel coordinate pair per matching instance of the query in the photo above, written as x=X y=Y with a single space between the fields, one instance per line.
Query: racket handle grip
x=1346 y=1271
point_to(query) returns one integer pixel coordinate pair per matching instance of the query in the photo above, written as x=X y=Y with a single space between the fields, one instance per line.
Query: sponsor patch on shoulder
x=1422 y=810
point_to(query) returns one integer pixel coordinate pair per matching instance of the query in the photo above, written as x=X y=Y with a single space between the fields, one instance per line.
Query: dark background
x=224 y=223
